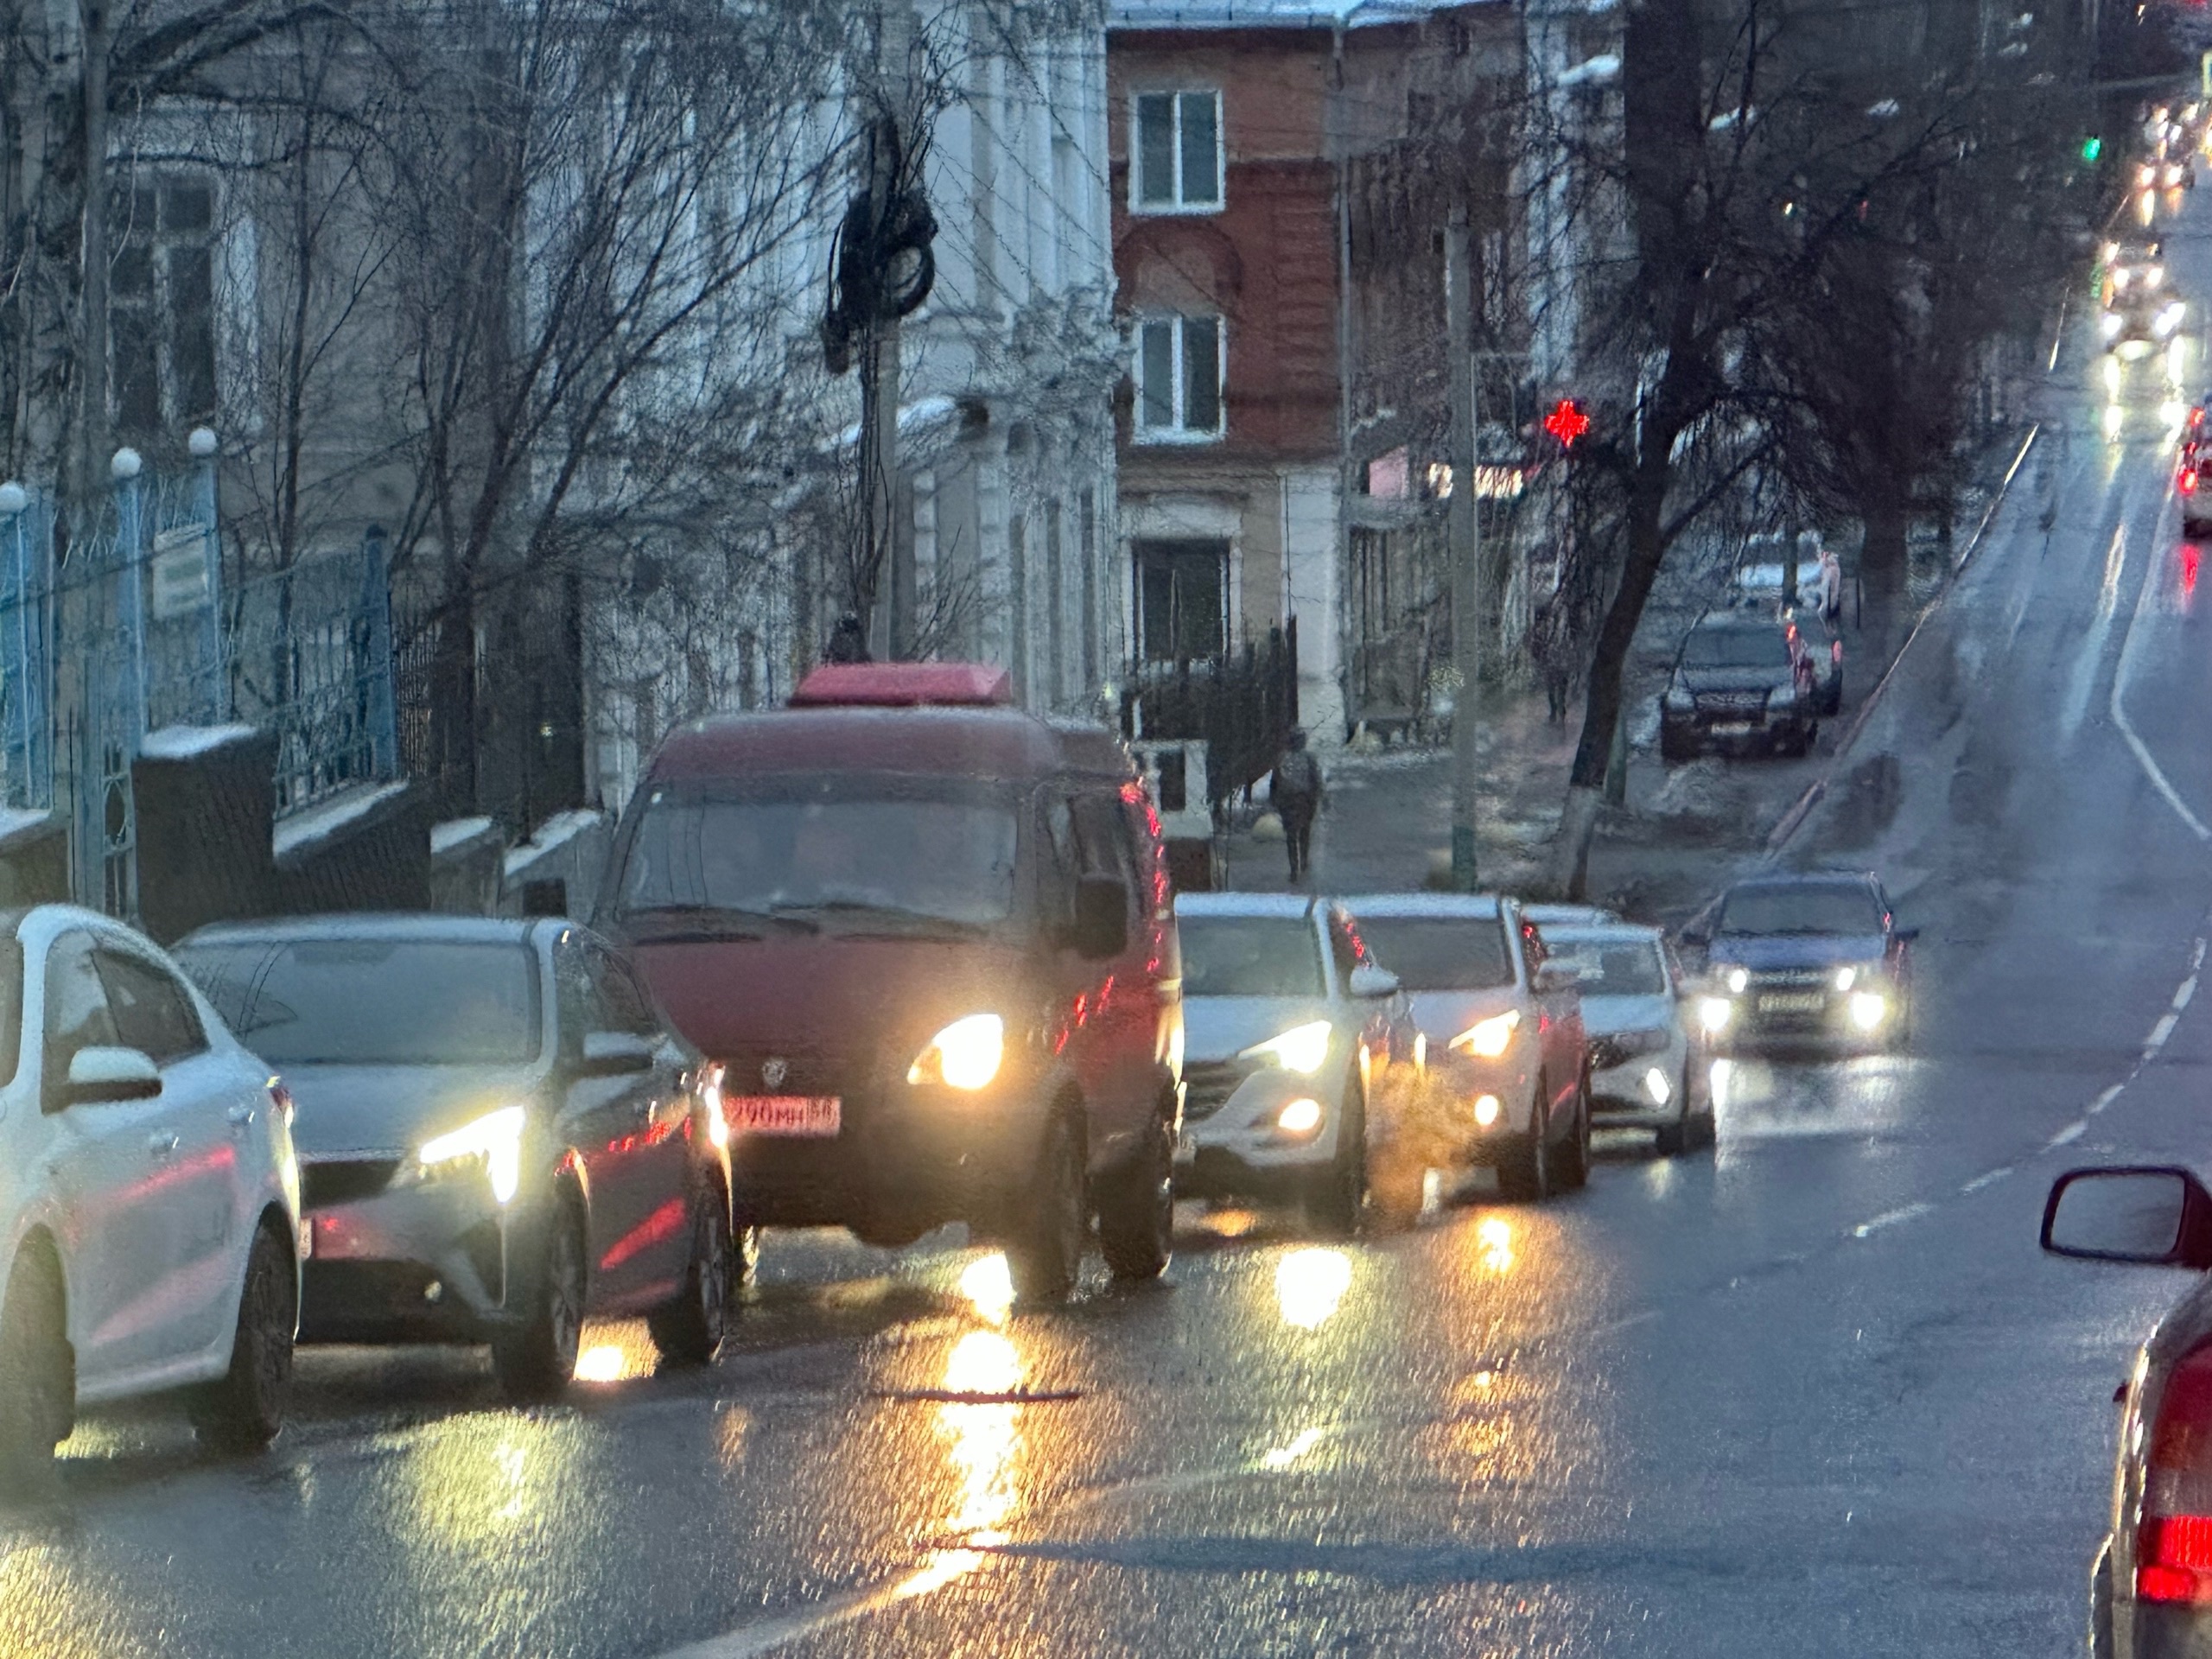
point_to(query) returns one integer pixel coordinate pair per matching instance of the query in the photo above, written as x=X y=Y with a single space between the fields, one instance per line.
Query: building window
x=162 y=298
x=1179 y=160
x=1182 y=599
x=1181 y=362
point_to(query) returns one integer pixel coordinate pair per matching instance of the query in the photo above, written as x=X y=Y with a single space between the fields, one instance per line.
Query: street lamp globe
x=202 y=442
x=125 y=465
x=12 y=498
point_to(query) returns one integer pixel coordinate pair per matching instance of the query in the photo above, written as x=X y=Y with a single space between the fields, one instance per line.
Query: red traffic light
x=1567 y=422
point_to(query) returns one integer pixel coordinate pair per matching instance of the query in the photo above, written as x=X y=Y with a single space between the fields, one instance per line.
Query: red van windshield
x=821 y=856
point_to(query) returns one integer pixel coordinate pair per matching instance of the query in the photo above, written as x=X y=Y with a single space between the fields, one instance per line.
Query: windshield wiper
x=710 y=924
x=872 y=911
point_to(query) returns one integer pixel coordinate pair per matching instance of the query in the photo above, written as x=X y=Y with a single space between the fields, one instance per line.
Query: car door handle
x=161 y=1143
x=241 y=1117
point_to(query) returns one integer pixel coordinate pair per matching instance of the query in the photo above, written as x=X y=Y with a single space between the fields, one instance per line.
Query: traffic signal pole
x=1466 y=536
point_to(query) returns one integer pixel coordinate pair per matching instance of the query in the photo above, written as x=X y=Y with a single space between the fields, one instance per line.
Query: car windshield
x=820 y=853
x=1440 y=953
x=1736 y=648
x=1802 y=907
x=1603 y=970
x=1250 y=956
x=375 y=1001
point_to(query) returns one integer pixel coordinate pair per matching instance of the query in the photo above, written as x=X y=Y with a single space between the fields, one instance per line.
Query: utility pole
x=87 y=461
x=1467 y=539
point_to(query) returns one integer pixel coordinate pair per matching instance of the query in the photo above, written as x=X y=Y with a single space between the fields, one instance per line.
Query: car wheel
x=1575 y=1156
x=38 y=1372
x=1137 y=1216
x=245 y=1410
x=1676 y=747
x=1045 y=1250
x=1338 y=1194
x=689 y=1330
x=1524 y=1171
x=538 y=1359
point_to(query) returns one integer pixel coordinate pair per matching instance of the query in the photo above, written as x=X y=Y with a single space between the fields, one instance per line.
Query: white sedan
x=1643 y=1064
x=150 y=1197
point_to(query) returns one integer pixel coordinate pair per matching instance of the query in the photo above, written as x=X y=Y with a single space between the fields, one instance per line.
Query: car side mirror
x=615 y=1054
x=1554 y=977
x=99 y=1075
x=1101 y=928
x=1370 y=981
x=2155 y=1215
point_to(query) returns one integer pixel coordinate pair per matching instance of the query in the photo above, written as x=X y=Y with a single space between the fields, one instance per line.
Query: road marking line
x=1988 y=1179
x=2163 y=1030
x=2186 y=994
x=2197 y=957
x=2068 y=1135
x=1911 y=1213
x=2118 y=701
x=2107 y=1098
x=750 y=1641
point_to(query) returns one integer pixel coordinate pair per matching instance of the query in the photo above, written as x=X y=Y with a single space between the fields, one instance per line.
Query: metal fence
x=116 y=622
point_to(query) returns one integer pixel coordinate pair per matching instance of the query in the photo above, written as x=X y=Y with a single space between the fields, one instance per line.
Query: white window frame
x=1181 y=432
x=1137 y=203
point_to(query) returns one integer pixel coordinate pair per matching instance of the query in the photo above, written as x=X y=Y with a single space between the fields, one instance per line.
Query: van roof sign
x=905 y=685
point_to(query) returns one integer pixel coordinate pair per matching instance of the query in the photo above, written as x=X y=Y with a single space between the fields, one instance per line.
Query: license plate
x=815 y=1116
x=1793 y=1002
x=1731 y=728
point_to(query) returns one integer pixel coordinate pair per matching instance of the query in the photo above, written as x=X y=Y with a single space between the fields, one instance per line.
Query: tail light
x=2189 y=482
x=281 y=1099
x=2173 y=1544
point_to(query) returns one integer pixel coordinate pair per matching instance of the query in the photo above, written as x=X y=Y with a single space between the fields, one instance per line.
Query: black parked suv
x=1740 y=683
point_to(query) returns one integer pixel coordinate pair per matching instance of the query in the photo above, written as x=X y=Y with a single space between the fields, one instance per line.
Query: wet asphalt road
x=1815 y=1394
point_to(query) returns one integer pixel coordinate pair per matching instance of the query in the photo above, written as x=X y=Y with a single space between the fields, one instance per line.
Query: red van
x=930 y=941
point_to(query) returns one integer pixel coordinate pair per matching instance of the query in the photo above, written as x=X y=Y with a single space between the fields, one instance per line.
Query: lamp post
x=124 y=469
x=13 y=500
x=203 y=445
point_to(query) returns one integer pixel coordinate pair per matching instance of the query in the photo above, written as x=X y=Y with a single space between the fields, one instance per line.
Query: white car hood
x=1604 y=1016
x=1443 y=1015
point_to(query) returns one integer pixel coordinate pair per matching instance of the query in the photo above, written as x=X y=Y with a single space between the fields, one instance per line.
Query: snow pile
x=190 y=742
x=332 y=817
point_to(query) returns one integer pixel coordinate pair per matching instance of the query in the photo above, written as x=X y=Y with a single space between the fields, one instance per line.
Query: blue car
x=1816 y=960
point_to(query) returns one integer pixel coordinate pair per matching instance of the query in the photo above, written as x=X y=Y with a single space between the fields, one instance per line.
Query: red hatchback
x=930 y=941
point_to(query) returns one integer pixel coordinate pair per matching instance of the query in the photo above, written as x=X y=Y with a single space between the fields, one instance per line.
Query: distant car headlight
x=2120 y=278
x=2170 y=319
x=1488 y=1038
x=1302 y=1049
x=2154 y=276
x=1845 y=978
x=492 y=1143
x=1656 y=1084
x=1868 y=1009
x=966 y=1054
x=1714 y=1013
x=1739 y=979
x=1486 y=1110
x=2108 y=324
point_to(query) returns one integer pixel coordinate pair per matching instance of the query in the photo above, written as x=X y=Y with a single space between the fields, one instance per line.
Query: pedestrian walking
x=1296 y=792
x=1552 y=645
x=1831 y=592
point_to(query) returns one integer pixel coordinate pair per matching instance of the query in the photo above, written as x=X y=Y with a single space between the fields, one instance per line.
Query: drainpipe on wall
x=1346 y=646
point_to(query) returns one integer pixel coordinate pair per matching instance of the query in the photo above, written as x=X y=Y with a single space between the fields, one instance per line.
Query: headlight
x=1715 y=1012
x=1488 y=1038
x=966 y=1054
x=2119 y=277
x=1656 y=1084
x=492 y=1143
x=1868 y=1009
x=2108 y=324
x=1845 y=978
x=1737 y=979
x=1301 y=1049
x=1486 y=1110
x=2156 y=275
x=1301 y=1117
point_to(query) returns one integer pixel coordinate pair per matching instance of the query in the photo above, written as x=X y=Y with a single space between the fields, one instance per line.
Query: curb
x=1794 y=819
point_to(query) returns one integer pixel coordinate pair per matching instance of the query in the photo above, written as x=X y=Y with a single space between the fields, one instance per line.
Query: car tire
x=1338 y=1198
x=1136 y=1213
x=1574 y=1160
x=1045 y=1245
x=689 y=1330
x=536 y=1360
x=1525 y=1167
x=1676 y=747
x=244 y=1410
x=38 y=1373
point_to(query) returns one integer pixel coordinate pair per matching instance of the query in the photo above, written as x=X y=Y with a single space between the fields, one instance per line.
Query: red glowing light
x=2189 y=482
x=2189 y=557
x=1567 y=422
